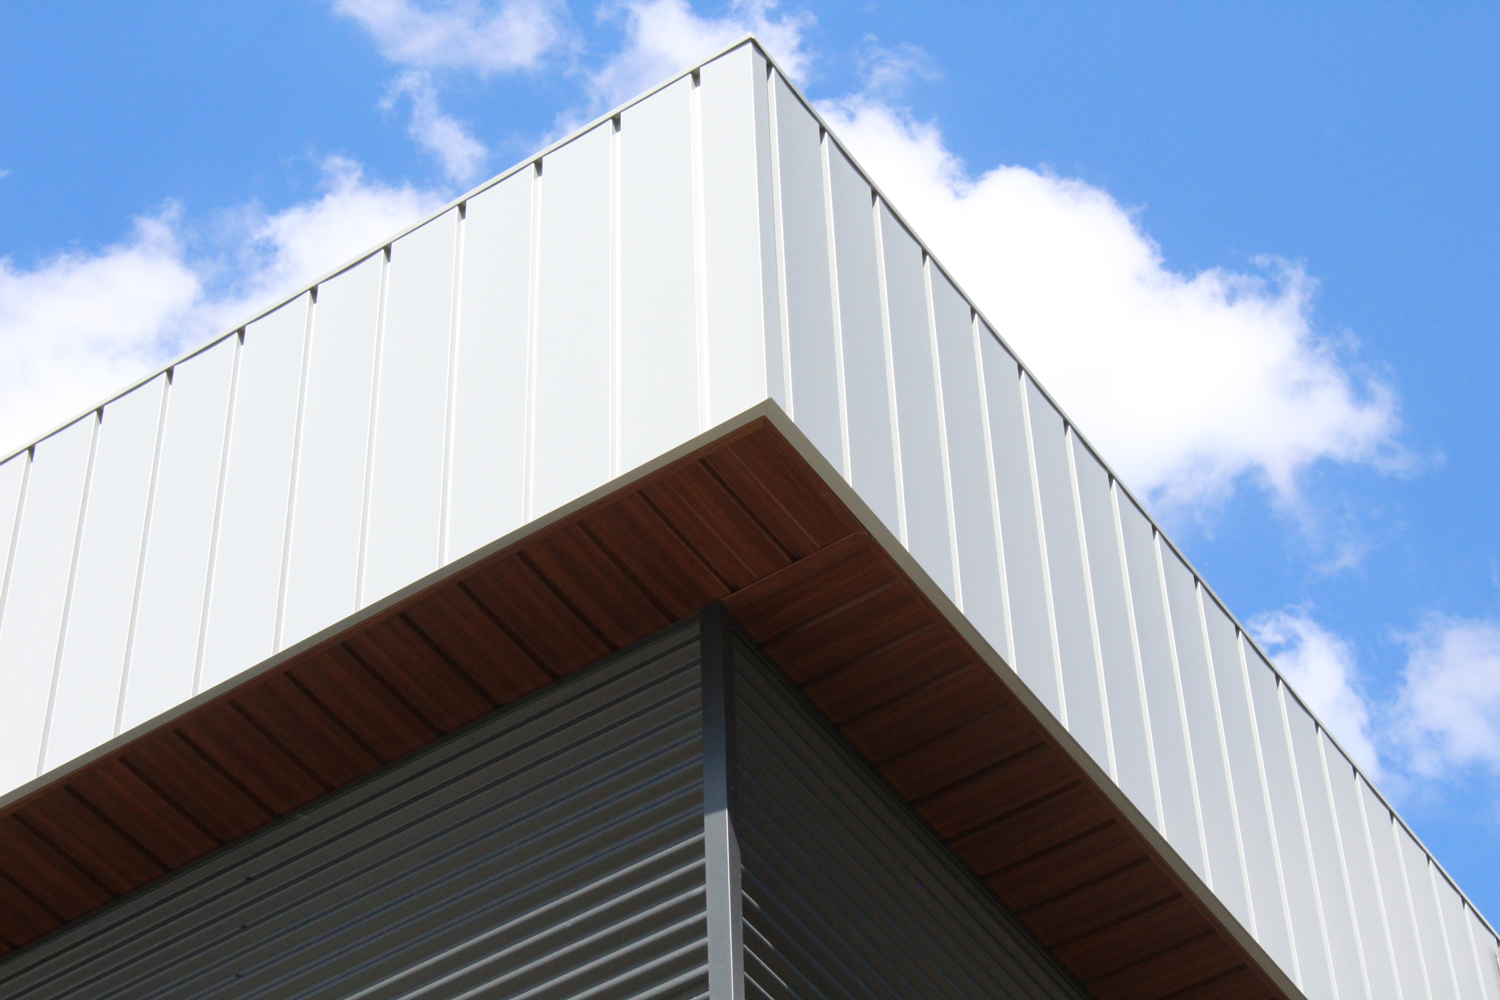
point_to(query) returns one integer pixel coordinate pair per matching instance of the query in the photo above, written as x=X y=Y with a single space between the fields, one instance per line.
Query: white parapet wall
x=707 y=246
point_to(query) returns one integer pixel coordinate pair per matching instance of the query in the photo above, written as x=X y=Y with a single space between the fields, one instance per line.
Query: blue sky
x=1308 y=192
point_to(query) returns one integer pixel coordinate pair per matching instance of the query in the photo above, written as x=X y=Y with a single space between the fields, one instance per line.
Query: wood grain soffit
x=748 y=514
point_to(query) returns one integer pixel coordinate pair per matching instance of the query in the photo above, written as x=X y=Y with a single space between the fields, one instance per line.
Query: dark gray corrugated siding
x=554 y=849
x=846 y=892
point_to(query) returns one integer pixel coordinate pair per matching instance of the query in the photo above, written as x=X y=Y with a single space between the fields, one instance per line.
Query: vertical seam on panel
x=1312 y=862
x=450 y=413
x=213 y=536
x=1338 y=843
x=890 y=367
x=1385 y=917
x=1041 y=538
x=62 y=631
x=1469 y=921
x=1182 y=719
x=781 y=291
x=1265 y=796
x=1234 y=807
x=533 y=326
x=989 y=465
x=1411 y=906
x=942 y=426
x=1135 y=652
x=700 y=250
x=824 y=142
x=616 y=318
x=140 y=568
x=1442 y=923
x=369 y=485
x=1070 y=443
x=291 y=492
x=15 y=529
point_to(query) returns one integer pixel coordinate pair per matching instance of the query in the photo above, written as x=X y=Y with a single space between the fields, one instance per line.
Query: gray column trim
x=726 y=954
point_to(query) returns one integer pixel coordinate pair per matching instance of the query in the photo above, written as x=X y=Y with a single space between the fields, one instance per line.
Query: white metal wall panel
x=90 y=668
x=1083 y=701
x=1429 y=922
x=162 y=663
x=976 y=547
x=572 y=388
x=872 y=469
x=411 y=410
x=741 y=303
x=1455 y=924
x=660 y=347
x=41 y=567
x=1486 y=956
x=1210 y=767
x=926 y=503
x=1266 y=906
x=1405 y=948
x=1179 y=812
x=241 y=624
x=1122 y=683
x=1031 y=637
x=808 y=288
x=489 y=408
x=1328 y=868
x=1375 y=948
x=329 y=491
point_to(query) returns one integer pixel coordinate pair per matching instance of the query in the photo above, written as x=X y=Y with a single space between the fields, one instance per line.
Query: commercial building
x=651 y=576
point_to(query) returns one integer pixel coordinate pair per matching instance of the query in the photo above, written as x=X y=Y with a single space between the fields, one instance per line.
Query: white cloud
x=887 y=72
x=663 y=37
x=1447 y=714
x=1184 y=382
x=81 y=325
x=441 y=134
x=462 y=34
x=1321 y=667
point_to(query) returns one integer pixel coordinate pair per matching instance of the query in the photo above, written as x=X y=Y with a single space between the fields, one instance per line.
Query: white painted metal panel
x=1486 y=956
x=742 y=307
x=872 y=468
x=1179 y=815
x=916 y=402
x=571 y=390
x=968 y=466
x=1210 y=766
x=328 y=506
x=1396 y=900
x=1031 y=638
x=1122 y=686
x=1082 y=697
x=1266 y=903
x=1291 y=842
x=1429 y=921
x=36 y=594
x=162 y=663
x=1455 y=923
x=659 y=343
x=241 y=625
x=91 y=667
x=809 y=292
x=1375 y=950
x=489 y=408
x=1328 y=868
x=411 y=410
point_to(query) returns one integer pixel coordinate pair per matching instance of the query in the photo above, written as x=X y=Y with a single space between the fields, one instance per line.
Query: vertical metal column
x=726 y=963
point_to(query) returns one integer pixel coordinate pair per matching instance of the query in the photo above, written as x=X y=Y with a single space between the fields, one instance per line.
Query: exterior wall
x=846 y=892
x=707 y=247
x=552 y=849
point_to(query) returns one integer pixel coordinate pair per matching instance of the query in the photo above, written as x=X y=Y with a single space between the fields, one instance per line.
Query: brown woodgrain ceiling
x=745 y=520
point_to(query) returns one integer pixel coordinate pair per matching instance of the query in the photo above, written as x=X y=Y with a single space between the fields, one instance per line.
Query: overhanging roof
x=748 y=514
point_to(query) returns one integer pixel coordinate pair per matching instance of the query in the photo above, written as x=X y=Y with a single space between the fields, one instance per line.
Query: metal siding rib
x=553 y=849
x=847 y=893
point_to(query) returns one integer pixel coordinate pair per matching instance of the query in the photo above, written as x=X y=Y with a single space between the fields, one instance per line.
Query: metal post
x=726 y=965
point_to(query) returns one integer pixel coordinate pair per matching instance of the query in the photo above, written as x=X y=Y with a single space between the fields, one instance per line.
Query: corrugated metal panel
x=553 y=849
x=846 y=893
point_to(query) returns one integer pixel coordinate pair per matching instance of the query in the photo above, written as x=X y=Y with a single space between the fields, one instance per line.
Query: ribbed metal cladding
x=553 y=849
x=846 y=892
